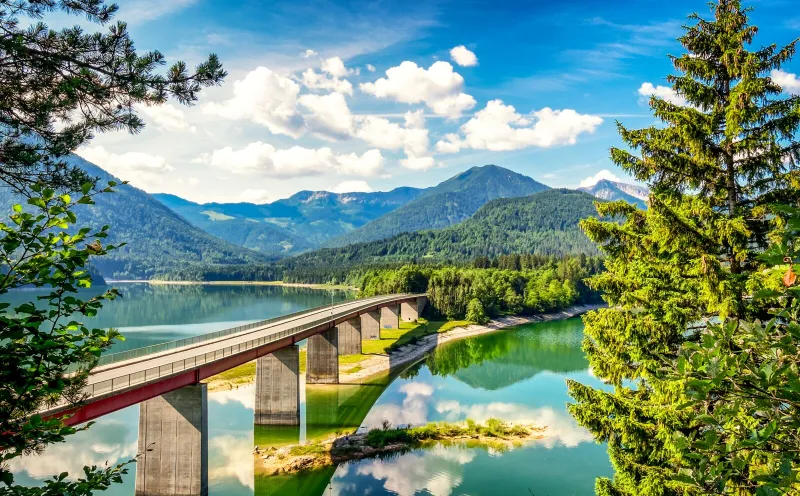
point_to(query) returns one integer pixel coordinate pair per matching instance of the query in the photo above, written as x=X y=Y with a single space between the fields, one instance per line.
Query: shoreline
x=411 y=353
x=159 y=282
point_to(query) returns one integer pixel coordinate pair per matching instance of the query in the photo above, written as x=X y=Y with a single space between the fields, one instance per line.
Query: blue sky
x=346 y=95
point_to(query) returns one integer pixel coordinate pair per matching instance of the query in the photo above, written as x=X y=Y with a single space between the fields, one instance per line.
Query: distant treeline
x=510 y=285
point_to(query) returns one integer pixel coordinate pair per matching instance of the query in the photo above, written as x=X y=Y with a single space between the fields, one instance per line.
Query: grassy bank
x=391 y=340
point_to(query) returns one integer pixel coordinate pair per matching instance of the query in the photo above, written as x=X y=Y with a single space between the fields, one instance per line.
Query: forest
x=477 y=294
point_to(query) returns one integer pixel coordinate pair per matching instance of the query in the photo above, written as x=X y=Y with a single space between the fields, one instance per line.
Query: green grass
x=424 y=328
x=493 y=428
x=307 y=449
x=391 y=340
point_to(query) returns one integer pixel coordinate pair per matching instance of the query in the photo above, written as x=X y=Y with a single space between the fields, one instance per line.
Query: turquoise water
x=516 y=375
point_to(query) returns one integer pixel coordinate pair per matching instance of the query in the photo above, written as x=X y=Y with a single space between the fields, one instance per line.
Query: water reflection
x=149 y=314
x=517 y=376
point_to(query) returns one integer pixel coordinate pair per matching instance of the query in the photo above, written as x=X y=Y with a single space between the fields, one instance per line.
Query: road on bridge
x=119 y=384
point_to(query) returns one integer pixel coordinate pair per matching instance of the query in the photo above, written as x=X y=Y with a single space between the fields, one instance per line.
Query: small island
x=493 y=433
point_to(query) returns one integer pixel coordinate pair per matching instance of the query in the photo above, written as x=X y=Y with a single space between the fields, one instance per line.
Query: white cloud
x=370 y=68
x=786 y=80
x=166 y=117
x=330 y=117
x=297 y=161
x=352 y=187
x=140 y=169
x=316 y=81
x=370 y=163
x=412 y=411
x=437 y=471
x=603 y=174
x=438 y=87
x=450 y=144
x=255 y=196
x=412 y=138
x=109 y=441
x=335 y=67
x=498 y=127
x=463 y=57
x=137 y=11
x=647 y=90
x=266 y=98
x=308 y=54
x=560 y=428
x=230 y=452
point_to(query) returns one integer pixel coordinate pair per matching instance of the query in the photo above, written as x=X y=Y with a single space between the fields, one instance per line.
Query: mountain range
x=305 y=220
x=485 y=210
x=544 y=223
x=447 y=203
x=606 y=189
x=159 y=241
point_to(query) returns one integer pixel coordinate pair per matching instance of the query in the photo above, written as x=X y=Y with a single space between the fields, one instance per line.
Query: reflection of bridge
x=165 y=379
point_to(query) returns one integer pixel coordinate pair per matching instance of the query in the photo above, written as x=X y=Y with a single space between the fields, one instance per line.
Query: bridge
x=130 y=377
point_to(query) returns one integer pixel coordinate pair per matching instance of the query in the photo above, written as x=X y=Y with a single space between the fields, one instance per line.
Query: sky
x=371 y=95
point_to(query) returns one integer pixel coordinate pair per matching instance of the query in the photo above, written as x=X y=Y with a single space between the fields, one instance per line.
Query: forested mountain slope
x=159 y=241
x=544 y=223
x=301 y=222
x=446 y=204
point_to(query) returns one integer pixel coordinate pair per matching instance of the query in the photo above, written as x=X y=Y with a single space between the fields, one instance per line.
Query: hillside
x=301 y=222
x=159 y=241
x=613 y=190
x=446 y=204
x=544 y=223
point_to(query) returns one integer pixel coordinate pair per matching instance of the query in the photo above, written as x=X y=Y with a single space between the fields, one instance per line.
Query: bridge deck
x=150 y=375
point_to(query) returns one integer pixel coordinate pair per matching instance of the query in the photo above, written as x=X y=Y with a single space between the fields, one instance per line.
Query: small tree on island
x=58 y=88
x=702 y=358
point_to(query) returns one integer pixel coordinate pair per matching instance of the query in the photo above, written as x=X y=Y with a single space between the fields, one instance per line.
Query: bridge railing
x=122 y=356
x=124 y=381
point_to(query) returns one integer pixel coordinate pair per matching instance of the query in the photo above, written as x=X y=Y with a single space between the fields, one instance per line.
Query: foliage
x=689 y=262
x=475 y=312
x=159 y=243
x=448 y=203
x=493 y=428
x=499 y=291
x=544 y=224
x=39 y=344
x=742 y=390
x=57 y=88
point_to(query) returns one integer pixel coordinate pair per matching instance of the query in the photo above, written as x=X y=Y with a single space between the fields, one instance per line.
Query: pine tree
x=58 y=88
x=715 y=166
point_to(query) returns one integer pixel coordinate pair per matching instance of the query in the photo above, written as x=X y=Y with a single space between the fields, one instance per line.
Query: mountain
x=613 y=190
x=301 y=222
x=448 y=203
x=159 y=241
x=544 y=223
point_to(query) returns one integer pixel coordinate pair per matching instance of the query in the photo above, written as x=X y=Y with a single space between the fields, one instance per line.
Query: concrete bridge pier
x=350 y=337
x=371 y=325
x=412 y=310
x=173 y=444
x=322 y=360
x=278 y=388
x=390 y=316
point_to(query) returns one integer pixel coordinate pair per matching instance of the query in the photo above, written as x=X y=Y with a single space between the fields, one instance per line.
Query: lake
x=517 y=375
